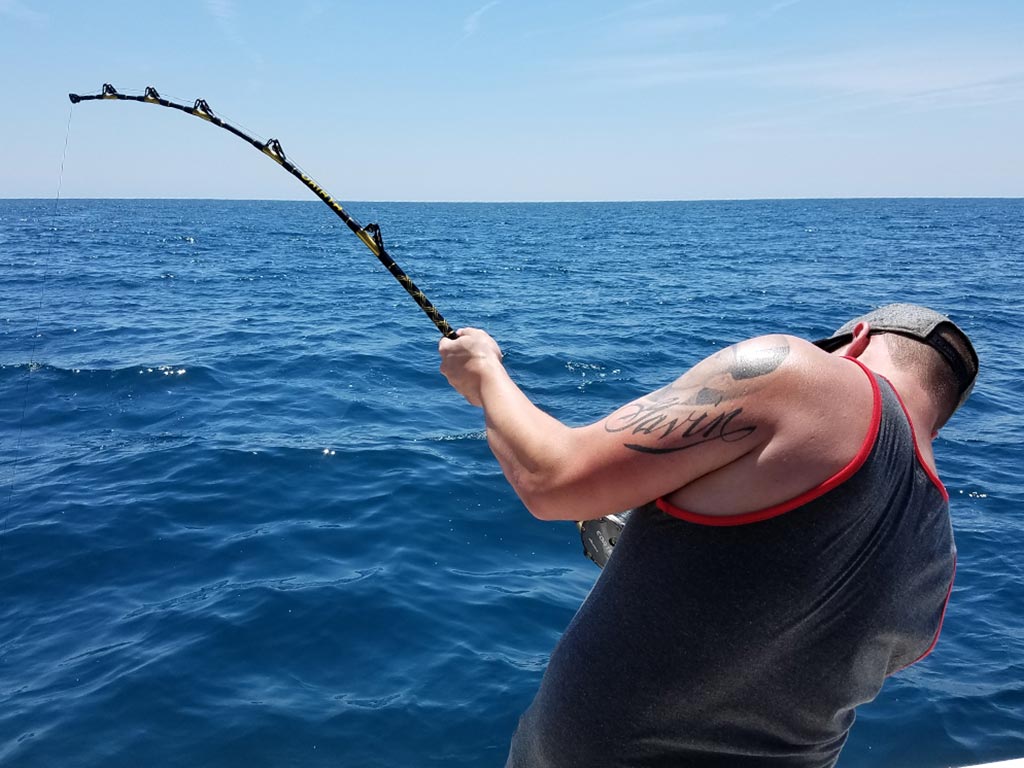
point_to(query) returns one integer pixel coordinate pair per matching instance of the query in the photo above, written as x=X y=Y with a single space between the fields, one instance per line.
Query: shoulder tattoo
x=692 y=410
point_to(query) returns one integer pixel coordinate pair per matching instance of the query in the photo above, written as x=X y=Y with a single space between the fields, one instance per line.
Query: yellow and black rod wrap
x=370 y=234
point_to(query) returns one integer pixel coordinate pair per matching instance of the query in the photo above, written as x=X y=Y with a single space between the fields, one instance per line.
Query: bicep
x=718 y=411
x=646 y=450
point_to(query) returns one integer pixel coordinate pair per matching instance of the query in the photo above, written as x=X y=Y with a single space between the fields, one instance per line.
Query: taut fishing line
x=30 y=365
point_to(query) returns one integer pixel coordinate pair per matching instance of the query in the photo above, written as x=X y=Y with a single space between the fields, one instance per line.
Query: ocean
x=246 y=522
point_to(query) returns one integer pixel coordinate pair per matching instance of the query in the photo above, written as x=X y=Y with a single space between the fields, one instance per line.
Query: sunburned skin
x=688 y=412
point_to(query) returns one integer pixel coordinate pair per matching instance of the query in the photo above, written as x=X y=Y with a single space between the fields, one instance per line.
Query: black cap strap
x=951 y=355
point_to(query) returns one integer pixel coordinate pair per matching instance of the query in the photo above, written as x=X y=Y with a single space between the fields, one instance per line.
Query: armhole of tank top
x=938 y=629
x=782 y=508
x=913 y=436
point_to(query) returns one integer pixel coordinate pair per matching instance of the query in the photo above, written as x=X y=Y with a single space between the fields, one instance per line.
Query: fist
x=468 y=360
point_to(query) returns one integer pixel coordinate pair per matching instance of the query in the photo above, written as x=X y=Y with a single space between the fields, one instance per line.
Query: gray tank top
x=749 y=641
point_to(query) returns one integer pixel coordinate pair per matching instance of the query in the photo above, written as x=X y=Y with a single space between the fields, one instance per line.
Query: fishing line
x=30 y=366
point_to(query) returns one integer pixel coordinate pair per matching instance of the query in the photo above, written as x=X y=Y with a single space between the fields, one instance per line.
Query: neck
x=919 y=405
x=921 y=408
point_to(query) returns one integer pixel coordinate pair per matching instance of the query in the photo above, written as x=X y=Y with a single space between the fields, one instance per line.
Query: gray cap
x=924 y=325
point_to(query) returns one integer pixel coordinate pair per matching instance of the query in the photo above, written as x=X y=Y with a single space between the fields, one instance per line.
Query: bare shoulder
x=733 y=397
x=798 y=377
x=781 y=381
x=772 y=366
x=750 y=360
x=785 y=361
x=819 y=405
x=808 y=412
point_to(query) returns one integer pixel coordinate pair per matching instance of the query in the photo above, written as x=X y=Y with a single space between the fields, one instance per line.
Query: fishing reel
x=599 y=536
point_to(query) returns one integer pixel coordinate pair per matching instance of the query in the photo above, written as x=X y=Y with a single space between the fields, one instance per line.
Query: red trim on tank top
x=775 y=510
x=942 y=618
x=917 y=452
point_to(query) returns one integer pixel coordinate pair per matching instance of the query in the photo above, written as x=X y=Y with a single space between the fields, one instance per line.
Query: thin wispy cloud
x=643 y=22
x=471 y=24
x=312 y=10
x=666 y=26
x=781 y=5
x=221 y=9
x=226 y=14
x=653 y=70
x=18 y=11
x=835 y=108
x=906 y=74
x=632 y=10
x=861 y=79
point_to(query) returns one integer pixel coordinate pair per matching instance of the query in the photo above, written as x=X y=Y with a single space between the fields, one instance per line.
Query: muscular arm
x=715 y=413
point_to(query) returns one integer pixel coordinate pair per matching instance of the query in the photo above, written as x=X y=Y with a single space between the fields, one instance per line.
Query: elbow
x=545 y=478
x=531 y=492
x=544 y=497
x=541 y=510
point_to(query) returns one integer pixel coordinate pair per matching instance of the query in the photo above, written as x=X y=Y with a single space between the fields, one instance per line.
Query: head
x=922 y=342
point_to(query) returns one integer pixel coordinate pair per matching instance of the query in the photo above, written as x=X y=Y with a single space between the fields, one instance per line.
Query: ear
x=860 y=341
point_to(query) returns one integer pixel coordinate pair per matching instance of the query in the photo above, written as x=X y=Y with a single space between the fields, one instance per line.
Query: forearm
x=532 y=447
x=539 y=455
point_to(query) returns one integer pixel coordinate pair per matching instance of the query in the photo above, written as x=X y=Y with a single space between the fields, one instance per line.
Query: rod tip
x=75 y=98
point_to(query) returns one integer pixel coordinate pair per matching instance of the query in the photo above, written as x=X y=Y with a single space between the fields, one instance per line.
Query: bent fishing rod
x=370 y=235
x=598 y=536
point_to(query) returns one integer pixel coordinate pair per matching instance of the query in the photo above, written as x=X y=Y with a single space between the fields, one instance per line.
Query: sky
x=508 y=100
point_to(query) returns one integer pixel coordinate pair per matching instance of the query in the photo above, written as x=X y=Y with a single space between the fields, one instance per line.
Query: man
x=798 y=549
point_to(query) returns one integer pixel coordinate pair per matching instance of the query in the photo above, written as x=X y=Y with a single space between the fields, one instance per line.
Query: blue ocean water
x=245 y=522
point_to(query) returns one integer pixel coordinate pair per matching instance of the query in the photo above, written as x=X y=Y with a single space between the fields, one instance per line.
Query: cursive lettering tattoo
x=688 y=412
x=693 y=428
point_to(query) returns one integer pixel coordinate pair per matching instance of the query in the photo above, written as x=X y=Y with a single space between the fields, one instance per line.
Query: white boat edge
x=1018 y=763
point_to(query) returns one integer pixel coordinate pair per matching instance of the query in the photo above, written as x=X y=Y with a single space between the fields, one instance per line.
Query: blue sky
x=520 y=99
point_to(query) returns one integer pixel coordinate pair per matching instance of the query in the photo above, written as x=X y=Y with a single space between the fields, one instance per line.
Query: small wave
x=590 y=373
x=361 y=702
x=104 y=649
x=476 y=435
x=134 y=373
x=212 y=591
x=531 y=573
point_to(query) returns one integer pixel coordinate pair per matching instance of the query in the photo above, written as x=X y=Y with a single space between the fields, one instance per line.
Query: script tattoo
x=695 y=428
x=687 y=413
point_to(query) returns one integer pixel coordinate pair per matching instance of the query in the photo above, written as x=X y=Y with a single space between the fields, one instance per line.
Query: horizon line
x=537 y=202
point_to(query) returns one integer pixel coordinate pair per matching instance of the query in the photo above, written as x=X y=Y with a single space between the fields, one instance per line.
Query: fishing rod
x=598 y=536
x=370 y=235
